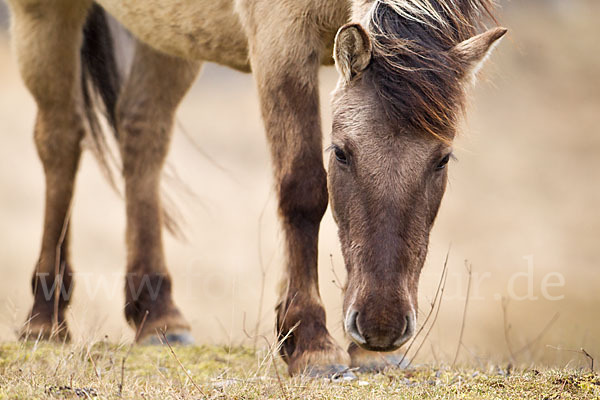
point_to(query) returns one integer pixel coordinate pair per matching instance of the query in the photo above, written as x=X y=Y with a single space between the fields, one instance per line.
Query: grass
x=71 y=371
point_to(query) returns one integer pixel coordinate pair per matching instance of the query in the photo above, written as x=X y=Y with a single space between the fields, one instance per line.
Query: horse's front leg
x=47 y=38
x=146 y=111
x=285 y=64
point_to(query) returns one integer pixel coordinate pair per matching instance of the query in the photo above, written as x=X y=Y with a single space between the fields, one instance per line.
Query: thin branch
x=93 y=364
x=271 y=352
x=580 y=351
x=437 y=291
x=469 y=268
x=203 y=152
x=254 y=338
x=437 y=312
x=434 y=354
x=281 y=387
x=263 y=273
x=260 y=305
x=181 y=365
x=336 y=279
x=507 y=329
x=590 y=358
x=539 y=335
x=59 y=268
x=137 y=336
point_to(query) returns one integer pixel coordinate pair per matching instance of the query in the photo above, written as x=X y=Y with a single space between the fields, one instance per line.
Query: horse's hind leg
x=285 y=59
x=47 y=37
x=145 y=115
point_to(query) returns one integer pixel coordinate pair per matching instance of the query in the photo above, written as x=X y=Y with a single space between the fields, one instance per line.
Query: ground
x=109 y=371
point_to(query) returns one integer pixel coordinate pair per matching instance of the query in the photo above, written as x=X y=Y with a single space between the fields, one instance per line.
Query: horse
x=404 y=70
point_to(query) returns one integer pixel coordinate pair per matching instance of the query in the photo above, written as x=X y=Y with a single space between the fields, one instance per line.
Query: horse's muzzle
x=375 y=337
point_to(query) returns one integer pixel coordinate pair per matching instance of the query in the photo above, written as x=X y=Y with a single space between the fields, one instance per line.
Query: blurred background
x=521 y=208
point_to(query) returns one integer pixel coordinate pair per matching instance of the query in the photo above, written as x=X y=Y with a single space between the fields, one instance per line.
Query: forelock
x=418 y=83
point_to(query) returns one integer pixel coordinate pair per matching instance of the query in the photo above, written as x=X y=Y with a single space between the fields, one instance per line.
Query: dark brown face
x=386 y=184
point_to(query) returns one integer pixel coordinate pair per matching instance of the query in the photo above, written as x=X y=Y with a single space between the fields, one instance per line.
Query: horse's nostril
x=409 y=330
x=351 y=325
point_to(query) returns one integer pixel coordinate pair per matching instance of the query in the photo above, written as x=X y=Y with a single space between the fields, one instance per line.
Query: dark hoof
x=335 y=372
x=182 y=338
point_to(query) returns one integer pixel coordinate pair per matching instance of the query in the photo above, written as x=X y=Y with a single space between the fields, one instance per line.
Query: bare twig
x=507 y=329
x=264 y=360
x=137 y=336
x=281 y=387
x=469 y=268
x=434 y=354
x=433 y=303
x=433 y=321
x=254 y=338
x=590 y=358
x=580 y=351
x=93 y=363
x=263 y=273
x=203 y=152
x=474 y=357
x=59 y=269
x=164 y=377
x=336 y=279
x=270 y=352
x=164 y=336
x=539 y=336
x=260 y=304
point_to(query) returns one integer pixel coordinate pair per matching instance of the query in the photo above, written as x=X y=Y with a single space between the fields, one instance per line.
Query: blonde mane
x=419 y=82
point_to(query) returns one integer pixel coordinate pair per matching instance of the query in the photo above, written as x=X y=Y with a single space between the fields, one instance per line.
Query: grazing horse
x=404 y=67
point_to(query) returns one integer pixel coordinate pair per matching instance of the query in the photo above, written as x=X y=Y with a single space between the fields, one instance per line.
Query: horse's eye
x=340 y=155
x=443 y=162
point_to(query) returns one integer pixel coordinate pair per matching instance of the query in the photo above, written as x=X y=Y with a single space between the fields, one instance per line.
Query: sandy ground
x=521 y=207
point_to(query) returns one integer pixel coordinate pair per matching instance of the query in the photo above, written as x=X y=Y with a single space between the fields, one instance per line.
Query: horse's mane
x=419 y=83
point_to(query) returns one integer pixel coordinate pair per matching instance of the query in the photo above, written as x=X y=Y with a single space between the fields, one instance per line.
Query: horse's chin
x=377 y=348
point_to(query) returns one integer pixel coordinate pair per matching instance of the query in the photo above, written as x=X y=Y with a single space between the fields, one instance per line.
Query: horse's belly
x=207 y=30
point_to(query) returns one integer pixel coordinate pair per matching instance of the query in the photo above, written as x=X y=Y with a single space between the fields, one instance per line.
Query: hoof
x=179 y=338
x=334 y=372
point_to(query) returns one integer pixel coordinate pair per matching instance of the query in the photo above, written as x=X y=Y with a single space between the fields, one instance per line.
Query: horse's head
x=396 y=108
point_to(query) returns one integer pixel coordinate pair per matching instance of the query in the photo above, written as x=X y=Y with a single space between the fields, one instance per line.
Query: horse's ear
x=352 y=50
x=473 y=52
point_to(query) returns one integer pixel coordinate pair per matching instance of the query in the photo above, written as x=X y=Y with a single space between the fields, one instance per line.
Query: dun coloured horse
x=404 y=68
